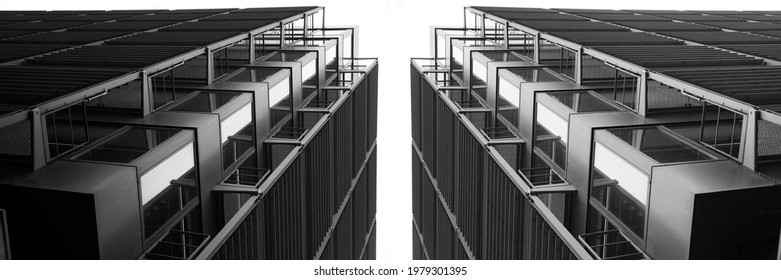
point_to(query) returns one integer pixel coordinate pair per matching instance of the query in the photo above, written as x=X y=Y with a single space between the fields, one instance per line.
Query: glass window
x=128 y=145
x=620 y=188
x=168 y=189
x=659 y=144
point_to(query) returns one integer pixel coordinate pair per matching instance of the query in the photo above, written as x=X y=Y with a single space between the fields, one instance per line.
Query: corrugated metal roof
x=615 y=38
x=755 y=85
x=240 y=26
x=172 y=38
x=543 y=25
x=769 y=51
x=745 y=26
x=723 y=38
x=69 y=38
x=678 y=56
x=654 y=26
x=110 y=56
x=123 y=26
x=29 y=85
x=11 y=52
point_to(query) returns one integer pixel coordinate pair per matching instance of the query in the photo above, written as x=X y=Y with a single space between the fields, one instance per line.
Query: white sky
x=393 y=31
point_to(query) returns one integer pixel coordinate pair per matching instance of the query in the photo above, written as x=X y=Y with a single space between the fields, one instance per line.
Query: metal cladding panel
x=713 y=210
x=320 y=185
x=165 y=17
x=284 y=216
x=579 y=161
x=89 y=17
x=274 y=16
x=102 y=218
x=513 y=10
x=755 y=85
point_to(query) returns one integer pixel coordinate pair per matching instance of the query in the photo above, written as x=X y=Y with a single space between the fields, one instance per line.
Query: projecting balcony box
x=664 y=191
x=111 y=199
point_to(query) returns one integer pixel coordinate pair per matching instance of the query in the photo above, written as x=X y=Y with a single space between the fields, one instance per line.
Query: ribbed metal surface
x=65 y=38
x=722 y=38
x=570 y=26
x=756 y=85
x=284 y=208
x=274 y=16
x=173 y=38
x=624 y=17
x=110 y=56
x=746 y=26
x=700 y=18
x=762 y=18
x=27 y=85
x=165 y=17
x=502 y=215
x=243 y=25
x=590 y=11
x=678 y=56
x=90 y=17
x=135 y=26
x=40 y=26
x=247 y=242
x=614 y=38
x=655 y=26
x=771 y=51
x=10 y=34
x=19 y=51
x=515 y=16
x=468 y=207
x=776 y=34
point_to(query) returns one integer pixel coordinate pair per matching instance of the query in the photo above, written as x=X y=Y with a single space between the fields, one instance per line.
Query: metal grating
x=110 y=56
x=771 y=51
x=615 y=38
x=28 y=85
x=722 y=38
x=71 y=38
x=678 y=56
x=173 y=38
x=755 y=85
x=18 y=51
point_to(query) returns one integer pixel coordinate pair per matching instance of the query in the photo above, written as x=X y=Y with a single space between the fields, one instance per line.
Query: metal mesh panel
x=16 y=139
x=768 y=139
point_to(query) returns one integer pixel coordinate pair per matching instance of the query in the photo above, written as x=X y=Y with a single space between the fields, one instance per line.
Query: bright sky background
x=393 y=31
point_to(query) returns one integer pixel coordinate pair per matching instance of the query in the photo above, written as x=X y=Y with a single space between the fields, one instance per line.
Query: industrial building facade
x=185 y=134
x=598 y=134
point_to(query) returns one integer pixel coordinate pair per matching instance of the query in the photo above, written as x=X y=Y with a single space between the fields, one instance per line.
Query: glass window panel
x=128 y=145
